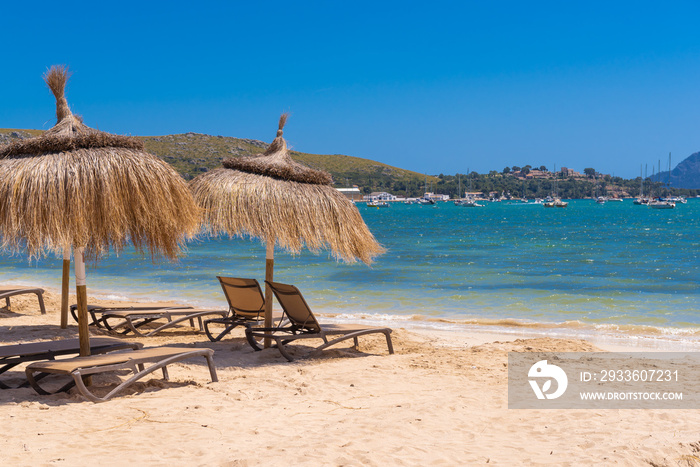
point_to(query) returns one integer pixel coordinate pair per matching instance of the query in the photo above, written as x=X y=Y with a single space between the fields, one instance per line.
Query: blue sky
x=434 y=87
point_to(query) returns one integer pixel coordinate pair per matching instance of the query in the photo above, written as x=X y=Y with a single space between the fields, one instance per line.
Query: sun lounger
x=6 y=294
x=77 y=368
x=132 y=320
x=13 y=355
x=96 y=312
x=303 y=325
x=246 y=305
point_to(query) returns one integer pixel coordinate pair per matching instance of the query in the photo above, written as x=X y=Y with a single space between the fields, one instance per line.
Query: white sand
x=440 y=400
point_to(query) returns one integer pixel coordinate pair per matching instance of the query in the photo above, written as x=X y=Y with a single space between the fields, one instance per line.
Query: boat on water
x=557 y=203
x=427 y=199
x=377 y=204
x=671 y=199
x=674 y=199
x=468 y=202
x=554 y=203
x=601 y=200
x=641 y=200
x=658 y=204
x=619 y=200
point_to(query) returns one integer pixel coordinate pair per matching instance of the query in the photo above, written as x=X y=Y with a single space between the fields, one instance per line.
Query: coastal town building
x=380 y=196
x=536 y=174
x=352 y=194
x=570 y=172
x=541 y=174
x=436 y=197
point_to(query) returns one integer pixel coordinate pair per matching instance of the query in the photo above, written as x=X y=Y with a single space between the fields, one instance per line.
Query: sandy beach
x=441 y=399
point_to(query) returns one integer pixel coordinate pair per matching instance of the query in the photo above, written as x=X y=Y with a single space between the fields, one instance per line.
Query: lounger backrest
x=244 y=296
x=294 y=306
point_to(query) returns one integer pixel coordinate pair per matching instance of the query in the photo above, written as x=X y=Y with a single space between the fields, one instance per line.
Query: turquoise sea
x=615 y=267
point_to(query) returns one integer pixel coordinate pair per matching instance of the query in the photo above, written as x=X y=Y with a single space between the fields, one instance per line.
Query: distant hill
x=194 y=153
x=684 y=175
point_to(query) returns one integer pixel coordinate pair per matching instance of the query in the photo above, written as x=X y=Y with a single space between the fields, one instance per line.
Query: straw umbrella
x=76 y=187
x=273 y=198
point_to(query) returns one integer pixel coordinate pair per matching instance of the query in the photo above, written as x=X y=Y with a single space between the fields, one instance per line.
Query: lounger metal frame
x=6 y=294
x=305 y=326
x=96 y=312
x=13 y=355
x=134 y=361
x=131 y=321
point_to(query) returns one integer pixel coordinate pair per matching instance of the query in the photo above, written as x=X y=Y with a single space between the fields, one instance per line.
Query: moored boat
x=658 y=204
x=556 y=203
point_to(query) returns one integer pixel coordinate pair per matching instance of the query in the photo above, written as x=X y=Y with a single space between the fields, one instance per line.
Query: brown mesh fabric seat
x=135 y=361
x=246 y=305
x=13 y=355
x=303 y=325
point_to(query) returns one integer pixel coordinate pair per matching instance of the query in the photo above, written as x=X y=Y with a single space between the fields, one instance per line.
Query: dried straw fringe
x=294 y=172
x=98 y=198
x=58 y=143
x=292 y=214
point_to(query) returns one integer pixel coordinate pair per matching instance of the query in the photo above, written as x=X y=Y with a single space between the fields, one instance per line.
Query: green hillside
x=193 y=153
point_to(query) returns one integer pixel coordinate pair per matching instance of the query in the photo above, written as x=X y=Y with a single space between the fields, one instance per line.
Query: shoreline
x=615 y=337
x=609 y=337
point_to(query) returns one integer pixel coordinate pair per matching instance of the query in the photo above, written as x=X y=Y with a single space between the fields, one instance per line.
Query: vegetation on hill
x=193 y=153
x=568 y=187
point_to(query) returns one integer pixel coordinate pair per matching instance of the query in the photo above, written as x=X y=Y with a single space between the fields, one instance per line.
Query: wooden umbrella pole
x=81 y=291
x=269 y=270
x=64 y=287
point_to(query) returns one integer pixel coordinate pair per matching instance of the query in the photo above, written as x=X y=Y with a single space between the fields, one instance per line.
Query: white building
x=436 y=197
x=351 y=193
x=380 y=196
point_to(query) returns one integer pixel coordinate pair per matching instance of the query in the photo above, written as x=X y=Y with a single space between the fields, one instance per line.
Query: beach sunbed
x=132 y=320
x=303 y=325
x=96 y=312
x=135 y=361
x=246 y=305
x=13 y=355
x=6 y=294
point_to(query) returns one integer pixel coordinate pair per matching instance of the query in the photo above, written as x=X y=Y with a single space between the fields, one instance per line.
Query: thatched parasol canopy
x=82 y=188
x=273 y=198
x=77 y=186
